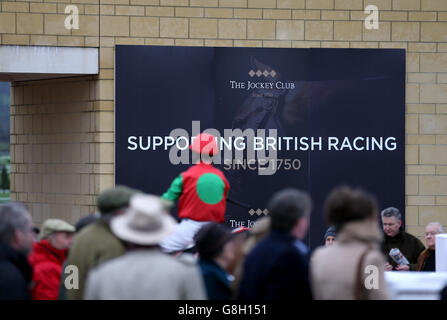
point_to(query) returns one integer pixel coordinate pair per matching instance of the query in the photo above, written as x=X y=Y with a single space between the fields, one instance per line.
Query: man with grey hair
x=410 y=246
x=16 y=240
x=427 y=259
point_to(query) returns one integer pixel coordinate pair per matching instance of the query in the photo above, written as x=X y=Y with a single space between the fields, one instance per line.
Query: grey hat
x=55 y=225
x=330 y=232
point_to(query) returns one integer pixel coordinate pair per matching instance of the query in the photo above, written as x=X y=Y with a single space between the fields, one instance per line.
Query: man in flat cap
x=96 y=243
x=48 y=256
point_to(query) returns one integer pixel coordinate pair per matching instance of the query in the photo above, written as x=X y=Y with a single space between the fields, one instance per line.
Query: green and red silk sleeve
x=175 y=190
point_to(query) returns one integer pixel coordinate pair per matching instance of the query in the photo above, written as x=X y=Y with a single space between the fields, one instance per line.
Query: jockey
x=201 y=191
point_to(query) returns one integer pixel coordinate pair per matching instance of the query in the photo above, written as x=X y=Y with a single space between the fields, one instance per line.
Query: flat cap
x=55 y=225
x=116 y=198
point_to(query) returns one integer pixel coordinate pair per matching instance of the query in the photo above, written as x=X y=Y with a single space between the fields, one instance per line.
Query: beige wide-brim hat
x=145 y=222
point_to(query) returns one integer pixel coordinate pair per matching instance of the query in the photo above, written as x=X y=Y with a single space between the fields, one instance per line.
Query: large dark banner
x=325 y=116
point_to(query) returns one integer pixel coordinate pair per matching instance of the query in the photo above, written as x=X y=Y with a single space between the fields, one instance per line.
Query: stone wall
x=61 y=146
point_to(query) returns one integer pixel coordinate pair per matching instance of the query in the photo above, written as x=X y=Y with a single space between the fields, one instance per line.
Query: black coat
x=410 y=246
x=275 y=269
x=15 y=274
x=216 y=280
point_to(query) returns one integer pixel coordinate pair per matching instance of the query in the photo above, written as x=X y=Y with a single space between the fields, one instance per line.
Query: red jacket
x=47 y=269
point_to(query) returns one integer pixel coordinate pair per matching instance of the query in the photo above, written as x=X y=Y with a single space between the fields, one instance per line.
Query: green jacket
x=91 y=247
x=410 y=246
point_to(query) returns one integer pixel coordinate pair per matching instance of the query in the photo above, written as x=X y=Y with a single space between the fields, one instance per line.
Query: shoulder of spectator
x=316 y=254
x=187 y=259
x=375 y=257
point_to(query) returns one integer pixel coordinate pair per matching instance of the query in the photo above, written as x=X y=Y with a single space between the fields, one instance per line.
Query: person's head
x=16 y=228
x=431 y=230
x=289 y=211
x=58 y=233
x=344 y=205
x=213 y=242
x=85 y=221
x=329 y=236
x=61 y=240
x=391 y=221
x=114 y=201
x=36 y=232
x=144 y=224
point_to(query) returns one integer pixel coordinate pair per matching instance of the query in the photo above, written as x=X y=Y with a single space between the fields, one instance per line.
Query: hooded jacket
x=47 y=262
x=334 y=268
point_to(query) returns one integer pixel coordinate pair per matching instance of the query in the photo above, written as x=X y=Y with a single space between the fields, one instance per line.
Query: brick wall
x=419 y=26
x=61 y=146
